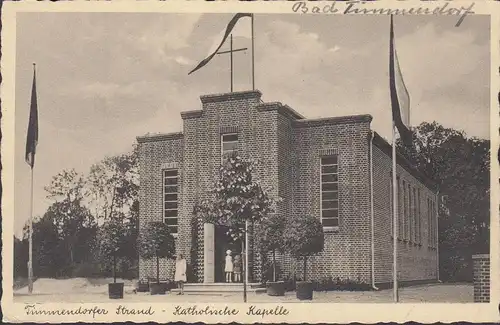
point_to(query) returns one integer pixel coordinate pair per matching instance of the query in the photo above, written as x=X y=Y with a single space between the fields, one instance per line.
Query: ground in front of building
x=83 y=290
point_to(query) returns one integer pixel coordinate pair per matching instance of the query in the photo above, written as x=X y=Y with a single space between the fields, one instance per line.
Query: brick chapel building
x=336 y=169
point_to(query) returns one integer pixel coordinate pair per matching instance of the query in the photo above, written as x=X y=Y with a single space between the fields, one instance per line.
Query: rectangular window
x=229 y=144
x=431 y=212
x=171 y=199
x=434 y=243
x=391 y=210
x=405 y=211
x=400 y=211
x=419 y=219
x=415 y=217
x=429 y=223
x=329 y=191
x=410 y=214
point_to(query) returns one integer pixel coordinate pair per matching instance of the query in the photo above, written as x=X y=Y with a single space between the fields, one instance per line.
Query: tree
x=236 y=200
x=304 y=237
x=460 y=167
x=67 y=185
x=75 y=228
x=20 y=258
x=47 y=248
x=270 y=234
x=157 y=242
x=113 y=241
x=113 y=186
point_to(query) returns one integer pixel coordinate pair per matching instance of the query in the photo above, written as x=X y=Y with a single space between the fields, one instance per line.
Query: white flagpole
x=395 y=215
x=30 y=240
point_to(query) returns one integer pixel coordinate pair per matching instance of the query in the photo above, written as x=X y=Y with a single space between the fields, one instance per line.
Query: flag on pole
x=400 y=99
x=242 y=29
x=230 y=27
x=32 y=137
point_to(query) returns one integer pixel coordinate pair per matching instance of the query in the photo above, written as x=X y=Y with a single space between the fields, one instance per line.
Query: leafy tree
x=460 y=167
x=48 y=253
x=113 y=186
x=270 y=233
x=67 y=185
x=304 y=237
x=157 y=242
x=236 y=199
x=20 y=257
x=75 y=228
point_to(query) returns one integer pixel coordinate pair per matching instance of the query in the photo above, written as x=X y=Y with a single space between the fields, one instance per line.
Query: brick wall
x=417 y=260
x=288 y=148
x=154 y=151
x=347 y=250
x=481 y=277
x=257 y=139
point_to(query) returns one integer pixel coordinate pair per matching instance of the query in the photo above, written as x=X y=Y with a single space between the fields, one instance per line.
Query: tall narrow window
x=171 y=198
x=429 y=225
x=419 y=219
x=433 y=212
x=405 y=212
x=391 y=210
x=329 y=191
x=410 y=214
x=415 y=217
x=229 y=144
x=400 y=210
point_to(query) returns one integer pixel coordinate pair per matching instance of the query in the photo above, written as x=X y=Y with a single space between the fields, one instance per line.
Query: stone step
x=219 y=288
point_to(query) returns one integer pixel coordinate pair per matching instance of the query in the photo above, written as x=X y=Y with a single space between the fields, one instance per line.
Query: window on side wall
x=171 y=199
x=330 y=192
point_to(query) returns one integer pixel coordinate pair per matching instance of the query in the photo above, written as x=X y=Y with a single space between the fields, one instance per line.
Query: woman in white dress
x=180 y=273
x=229 y=266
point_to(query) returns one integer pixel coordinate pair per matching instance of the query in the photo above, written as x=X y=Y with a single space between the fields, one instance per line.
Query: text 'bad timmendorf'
x=355 y=7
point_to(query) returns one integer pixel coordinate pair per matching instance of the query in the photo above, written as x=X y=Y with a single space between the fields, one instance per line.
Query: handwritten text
x=356 y=7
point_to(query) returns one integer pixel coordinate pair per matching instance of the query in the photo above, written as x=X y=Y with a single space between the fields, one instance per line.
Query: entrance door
x=223 y=242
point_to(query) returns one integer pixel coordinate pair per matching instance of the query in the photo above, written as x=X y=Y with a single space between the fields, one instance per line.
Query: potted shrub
x=303 y=238
x=112 y=243
x=157 y=242
x=270 y=237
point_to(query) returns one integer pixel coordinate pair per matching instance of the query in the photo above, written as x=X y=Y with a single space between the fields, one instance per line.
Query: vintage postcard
x=296 y=162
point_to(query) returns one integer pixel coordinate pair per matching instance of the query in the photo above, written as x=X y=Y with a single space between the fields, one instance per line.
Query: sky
x=105 y=78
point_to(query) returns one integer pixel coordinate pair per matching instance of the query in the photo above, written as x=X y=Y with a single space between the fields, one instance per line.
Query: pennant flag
x=242 y=29
x=32 y=137
x=400 y=99
x=229 y=29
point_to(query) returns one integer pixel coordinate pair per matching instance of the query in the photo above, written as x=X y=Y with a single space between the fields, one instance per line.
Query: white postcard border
x=298 y=312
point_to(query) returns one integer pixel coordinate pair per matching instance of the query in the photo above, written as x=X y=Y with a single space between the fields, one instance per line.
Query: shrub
x=157 y=242
x=330 y=284
x=86 y=270
x=112 y=241
x=304 y=237
x=270 y=239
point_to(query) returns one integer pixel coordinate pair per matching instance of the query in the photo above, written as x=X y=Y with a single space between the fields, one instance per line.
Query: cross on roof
x=230 y=52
